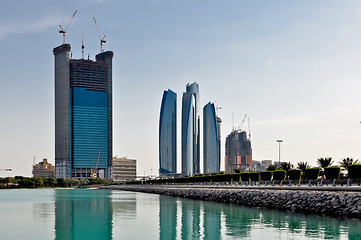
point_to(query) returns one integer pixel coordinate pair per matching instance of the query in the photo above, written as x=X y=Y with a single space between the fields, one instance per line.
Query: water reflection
x=83 y=214
x=102 y=214
x=168 y=219
x=187 y=219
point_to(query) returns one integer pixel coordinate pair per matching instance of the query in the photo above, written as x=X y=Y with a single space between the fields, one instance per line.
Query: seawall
x=328 y=202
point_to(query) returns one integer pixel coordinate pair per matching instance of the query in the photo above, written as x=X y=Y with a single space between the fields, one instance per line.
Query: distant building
x=266 y=163
x=83 y=115
x=43 y=169
x=256 y=166
x=124 y=169
x=238 y=151
x=168 y=134
x=260 y=165
x=190 y=130
x=211 y=139
x=278 y=164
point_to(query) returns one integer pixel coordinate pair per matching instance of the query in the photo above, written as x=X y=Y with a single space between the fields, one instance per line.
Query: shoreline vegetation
x=328 y=175
x=42 y=182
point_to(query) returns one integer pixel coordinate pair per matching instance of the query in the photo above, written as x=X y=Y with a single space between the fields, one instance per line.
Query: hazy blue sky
x=292 y=66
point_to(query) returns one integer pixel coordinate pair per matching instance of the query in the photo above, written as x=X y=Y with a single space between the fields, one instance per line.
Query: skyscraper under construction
x=83 y=115
x=238 y=151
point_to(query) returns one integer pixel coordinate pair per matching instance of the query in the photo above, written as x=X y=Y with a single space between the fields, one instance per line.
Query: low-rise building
x=260 y=165
x=124 y=169
x=43 y=169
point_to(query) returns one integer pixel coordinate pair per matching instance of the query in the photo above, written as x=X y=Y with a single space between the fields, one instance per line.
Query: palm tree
x=324 y=162
x=271 y=167
x=347 y=162
x=303 y=166
x=286 y=166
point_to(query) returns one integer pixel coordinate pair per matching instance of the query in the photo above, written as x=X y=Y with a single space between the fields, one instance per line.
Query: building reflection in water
x=167 y=218
x=101 y=214
x=188 y=219
x=83 y=214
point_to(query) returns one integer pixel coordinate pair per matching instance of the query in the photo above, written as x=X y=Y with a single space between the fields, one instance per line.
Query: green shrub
x=332 y=172
x=294 y=174
x=279 y=175
x=225 y=177
x=354 y=171
x=254 y=176
x=236 y=177
x=266 y=175
x=312 y=173
x=245 y=176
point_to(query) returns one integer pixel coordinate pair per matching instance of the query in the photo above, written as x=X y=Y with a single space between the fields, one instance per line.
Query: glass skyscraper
x=188 y=112
x=211 y=139
x=194 y=89
x=83 y=115
x=168 y=134
x=190 y=130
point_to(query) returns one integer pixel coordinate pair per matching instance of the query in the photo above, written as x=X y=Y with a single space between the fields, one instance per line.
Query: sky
x=292 y=66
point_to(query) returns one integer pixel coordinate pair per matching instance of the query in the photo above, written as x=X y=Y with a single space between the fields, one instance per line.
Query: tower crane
x=94 y=171
x=240 y=126
x=102 y=39
x=249 y=130
x=63 y=30
x=5 y=169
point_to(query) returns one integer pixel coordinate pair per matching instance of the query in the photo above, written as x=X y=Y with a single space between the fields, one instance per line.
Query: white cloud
x=284 y=121
x=346 y=110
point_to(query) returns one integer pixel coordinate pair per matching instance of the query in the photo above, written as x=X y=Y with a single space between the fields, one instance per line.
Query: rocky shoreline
x=334 y=203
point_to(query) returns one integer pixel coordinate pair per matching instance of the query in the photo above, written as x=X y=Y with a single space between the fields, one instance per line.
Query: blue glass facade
x=188 y=136
x=194 y=90
x=89 y=128
x=83 y=115
x=168 y=134
x=211 y=140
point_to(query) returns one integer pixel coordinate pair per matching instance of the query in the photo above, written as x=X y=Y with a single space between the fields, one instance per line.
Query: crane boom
x=63 y=30
x=240 y=126
x=5 y=169
x=249 y=130
x=102 y=39
x=94 y=172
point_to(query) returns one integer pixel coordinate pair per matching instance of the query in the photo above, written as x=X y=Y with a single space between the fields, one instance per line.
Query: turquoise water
x=106 y=214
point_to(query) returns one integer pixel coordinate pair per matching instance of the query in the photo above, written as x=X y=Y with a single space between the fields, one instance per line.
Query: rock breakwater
x=336 y=203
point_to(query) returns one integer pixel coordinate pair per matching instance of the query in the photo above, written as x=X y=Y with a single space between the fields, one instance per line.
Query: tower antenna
x=82 y=45
x=249 y=130
x=232 y=121
x=102 y=39
x=63 y=30
x=217 y=108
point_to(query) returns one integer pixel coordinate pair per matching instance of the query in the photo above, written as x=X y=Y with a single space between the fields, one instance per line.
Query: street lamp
x=279 y=152
x=151 y=173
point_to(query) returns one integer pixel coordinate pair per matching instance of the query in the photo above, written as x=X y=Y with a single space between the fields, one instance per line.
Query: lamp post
x=279 y=152
x=151 y=173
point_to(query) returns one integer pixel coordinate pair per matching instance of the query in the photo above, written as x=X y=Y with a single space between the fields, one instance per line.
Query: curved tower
x=194 y=90
x=168 y=134
x=211 y=139
x=188 y=137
